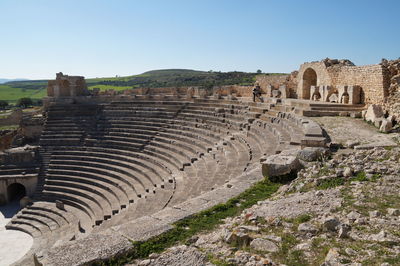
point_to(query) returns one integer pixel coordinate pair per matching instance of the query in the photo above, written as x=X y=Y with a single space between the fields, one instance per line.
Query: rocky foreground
x=339 y=211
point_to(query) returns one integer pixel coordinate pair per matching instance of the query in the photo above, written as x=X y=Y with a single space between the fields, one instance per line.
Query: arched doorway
x=15 y=191
x=309 y=79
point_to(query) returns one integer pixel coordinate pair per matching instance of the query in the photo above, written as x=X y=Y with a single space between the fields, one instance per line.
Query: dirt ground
x=346 y=129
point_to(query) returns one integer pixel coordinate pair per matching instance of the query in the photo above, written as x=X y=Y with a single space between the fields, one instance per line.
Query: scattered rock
x=352 y=216
x=344 y=230
x=307 y=228
x=393 y=212
x=374 y=214
x=274 y=238
x=332 y=258
x=310 y=154
x=264 y=245
x=330 y=224
x=350 y=252
x=239 y=238
x=382 y=236
x=347 y=172
x=303 y=246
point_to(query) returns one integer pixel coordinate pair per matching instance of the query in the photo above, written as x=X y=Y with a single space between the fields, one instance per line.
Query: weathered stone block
x=374 y=112
x=280 y=165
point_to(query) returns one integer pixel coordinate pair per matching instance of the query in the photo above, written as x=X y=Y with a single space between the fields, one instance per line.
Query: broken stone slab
x=351 y=144
x=280 y=165
x=374 y=112
x=310 y=154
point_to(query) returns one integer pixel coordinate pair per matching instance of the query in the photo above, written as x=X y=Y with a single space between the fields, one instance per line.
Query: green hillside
x=36 y=89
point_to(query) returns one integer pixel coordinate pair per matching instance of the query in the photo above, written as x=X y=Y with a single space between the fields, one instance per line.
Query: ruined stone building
x=66 y=86
x=332 y=80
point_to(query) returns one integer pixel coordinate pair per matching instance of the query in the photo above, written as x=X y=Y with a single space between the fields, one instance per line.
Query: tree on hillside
x=3 y=104
x=259 y=71
x=24 y=102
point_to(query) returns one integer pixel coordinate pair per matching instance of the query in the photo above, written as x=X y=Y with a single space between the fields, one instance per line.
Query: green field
x=36 y=89
x=12 y=94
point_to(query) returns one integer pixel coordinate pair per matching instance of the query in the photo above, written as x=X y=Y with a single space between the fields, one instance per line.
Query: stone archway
x=309 y=79
x=16 y=191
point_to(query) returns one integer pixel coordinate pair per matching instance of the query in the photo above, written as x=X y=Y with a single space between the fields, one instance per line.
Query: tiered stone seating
x=123 y=160
x=14 y=172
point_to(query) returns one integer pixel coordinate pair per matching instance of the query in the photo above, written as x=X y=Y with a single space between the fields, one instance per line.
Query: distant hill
x=8 y=80
x=175 y=78
x=36 y=89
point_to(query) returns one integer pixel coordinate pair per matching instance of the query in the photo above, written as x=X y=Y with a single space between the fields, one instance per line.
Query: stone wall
x=392 y=104
x=277 y=80
x=370 y=78
x=373 y=79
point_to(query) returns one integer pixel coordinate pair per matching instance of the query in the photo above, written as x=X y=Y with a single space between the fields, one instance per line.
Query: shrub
x=24 y=102
x=3 y=104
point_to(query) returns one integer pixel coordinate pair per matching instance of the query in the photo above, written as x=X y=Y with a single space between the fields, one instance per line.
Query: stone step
x=81 y=170
x=109 y=198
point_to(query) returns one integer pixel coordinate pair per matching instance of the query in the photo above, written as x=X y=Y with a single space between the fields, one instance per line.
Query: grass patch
x=330 y=183
x=324 y=171
x=303 y=218
x=288 y=256
x=218 y=262
x=200 y=222
x=361 y=177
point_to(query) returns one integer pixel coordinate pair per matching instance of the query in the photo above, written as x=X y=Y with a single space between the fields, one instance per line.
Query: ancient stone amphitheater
x=124 y=169
x=112 y=169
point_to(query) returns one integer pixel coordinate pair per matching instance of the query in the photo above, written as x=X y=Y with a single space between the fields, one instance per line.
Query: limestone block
x=374 y=112
x=386 y=126
x=279 y=165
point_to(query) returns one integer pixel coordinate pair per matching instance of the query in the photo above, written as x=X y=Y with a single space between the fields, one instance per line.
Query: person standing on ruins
x=256 y=92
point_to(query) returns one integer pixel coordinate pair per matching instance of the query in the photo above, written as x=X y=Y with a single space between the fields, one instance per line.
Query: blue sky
x=106 y=38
